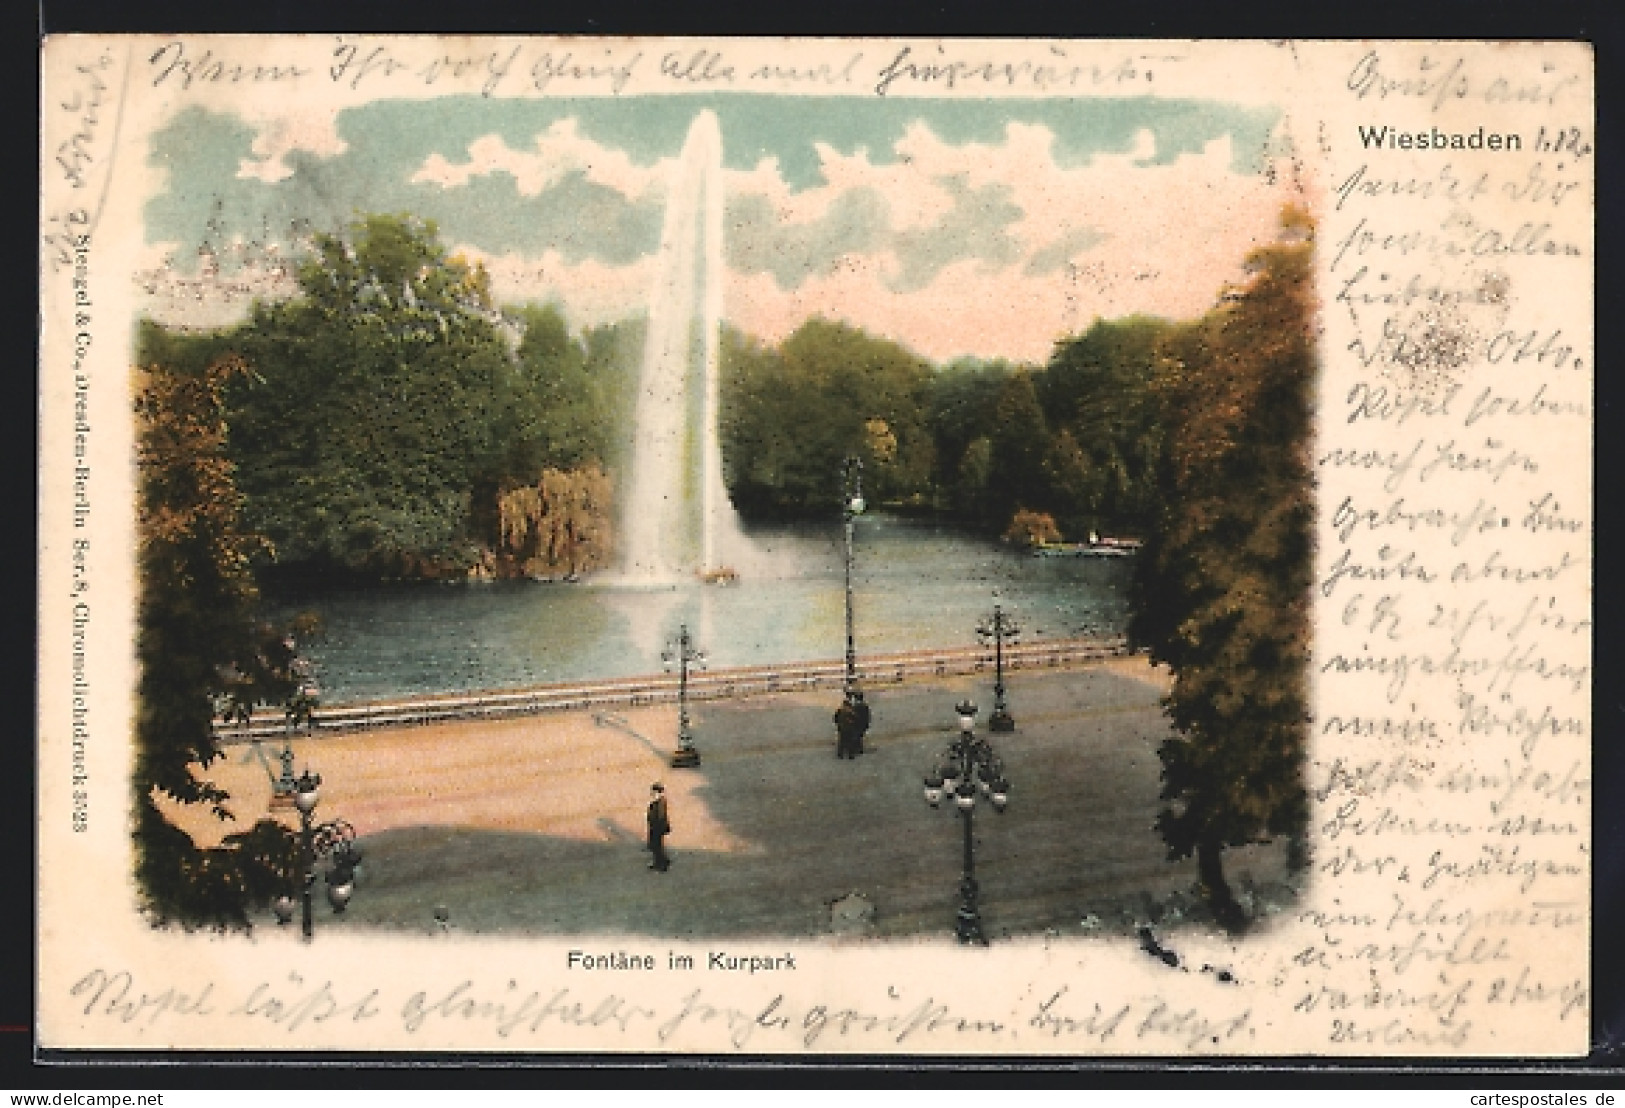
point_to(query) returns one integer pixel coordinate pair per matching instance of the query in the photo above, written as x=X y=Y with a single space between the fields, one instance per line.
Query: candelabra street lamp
x=851 y=507
x=681 y=657
x=999 y=629
x=298 y=710
x=968 y=767
x=335 y=839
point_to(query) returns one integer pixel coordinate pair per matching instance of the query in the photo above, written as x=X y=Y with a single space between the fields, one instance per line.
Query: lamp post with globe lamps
x=999 y=629
x=851 y=507
x=298 y=710
x=684 y=655
x=335 y=838
x=968 y=767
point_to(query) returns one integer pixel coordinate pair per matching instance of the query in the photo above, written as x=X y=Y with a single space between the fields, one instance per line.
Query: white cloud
x=919 y=199
x=313 y=130
x=559 y=151
x=1116 y=235
x=592 y=292
x=1167 y=238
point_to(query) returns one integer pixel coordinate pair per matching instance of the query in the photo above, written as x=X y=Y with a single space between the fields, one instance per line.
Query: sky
x=956 y=227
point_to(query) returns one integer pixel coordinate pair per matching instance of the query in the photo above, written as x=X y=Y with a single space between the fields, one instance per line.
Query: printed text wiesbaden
x=1392 y=138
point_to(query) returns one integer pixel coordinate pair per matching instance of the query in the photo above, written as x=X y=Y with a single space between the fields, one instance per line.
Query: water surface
x=915 y=584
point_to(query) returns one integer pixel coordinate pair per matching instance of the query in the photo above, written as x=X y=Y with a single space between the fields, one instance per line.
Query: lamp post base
x=1001 y=720
x=686 y=758
x=968 y=927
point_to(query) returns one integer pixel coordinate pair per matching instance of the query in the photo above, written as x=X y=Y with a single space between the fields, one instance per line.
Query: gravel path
x=536 y=824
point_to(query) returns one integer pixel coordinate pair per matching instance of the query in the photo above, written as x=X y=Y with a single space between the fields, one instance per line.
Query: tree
x=759 y=455
x=560 y=525
x=1069 y=474
x=1097 y=390
x=195 y=641
x=1028 y=528
x=792 y=413
x=972 y=488
x=1020 y=443
x=371 y=414
x=1222 y=583
x=559 y=409
x=963 y=396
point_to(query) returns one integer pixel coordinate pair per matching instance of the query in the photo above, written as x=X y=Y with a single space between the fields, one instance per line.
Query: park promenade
x=534 y=823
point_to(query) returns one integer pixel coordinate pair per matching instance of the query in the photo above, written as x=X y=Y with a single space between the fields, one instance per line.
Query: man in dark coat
x=659 y=828
x=860 y=725
x=851 y=725
x=846 y=729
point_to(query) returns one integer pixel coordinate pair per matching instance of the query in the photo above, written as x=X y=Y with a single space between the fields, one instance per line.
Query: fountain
x=677 y=520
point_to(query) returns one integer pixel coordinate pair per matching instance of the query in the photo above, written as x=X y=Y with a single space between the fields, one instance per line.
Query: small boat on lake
x=1096 y=548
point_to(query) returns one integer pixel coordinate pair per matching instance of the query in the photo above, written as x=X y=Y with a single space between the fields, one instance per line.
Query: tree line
x=391 y=409
x=392 y=420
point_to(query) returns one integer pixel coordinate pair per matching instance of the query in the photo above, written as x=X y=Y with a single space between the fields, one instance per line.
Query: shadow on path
x=1076 y=842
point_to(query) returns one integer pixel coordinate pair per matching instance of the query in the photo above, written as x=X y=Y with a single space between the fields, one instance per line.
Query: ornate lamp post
x=317 y=841
x=687 y=755
x=299 y=708
x=969 y=766
x=851 y=507
x=998 y=629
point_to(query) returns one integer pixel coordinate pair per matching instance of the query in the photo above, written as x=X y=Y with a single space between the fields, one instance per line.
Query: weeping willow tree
x=559 y=526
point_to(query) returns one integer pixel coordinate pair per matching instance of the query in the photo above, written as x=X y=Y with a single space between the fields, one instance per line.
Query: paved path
x=536 y=824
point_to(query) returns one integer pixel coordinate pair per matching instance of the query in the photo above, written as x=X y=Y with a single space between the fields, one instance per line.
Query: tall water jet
x=677 y=519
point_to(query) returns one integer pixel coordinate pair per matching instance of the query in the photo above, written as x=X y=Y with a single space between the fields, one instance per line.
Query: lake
x=915 y=584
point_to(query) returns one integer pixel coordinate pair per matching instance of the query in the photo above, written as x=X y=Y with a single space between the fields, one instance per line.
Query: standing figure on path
x=659 y=828
x=846 y=729
x=860 y=710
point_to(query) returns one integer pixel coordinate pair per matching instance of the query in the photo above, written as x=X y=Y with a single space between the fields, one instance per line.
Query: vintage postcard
x=815 y=547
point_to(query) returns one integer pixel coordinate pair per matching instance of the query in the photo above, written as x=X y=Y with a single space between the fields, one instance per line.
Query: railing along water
x=718 y=684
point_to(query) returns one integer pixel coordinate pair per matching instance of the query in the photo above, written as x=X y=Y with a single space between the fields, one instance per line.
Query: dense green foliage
x=196 y=642
x=569 y=404
x=391 y=407
x=1222 y=584
x=390 y=404
x=1096 y=393
x=371 y=412
x=792 y=413
x=1076 y=439
x=963 y=394
x=1018 y=444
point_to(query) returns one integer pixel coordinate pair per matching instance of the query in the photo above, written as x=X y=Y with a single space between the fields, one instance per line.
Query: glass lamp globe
x=1000 y=795
x=338 y=895
x=965 y=797
x=933 y=790
x=282 y=906
x=855 y=505
x=306 y=794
